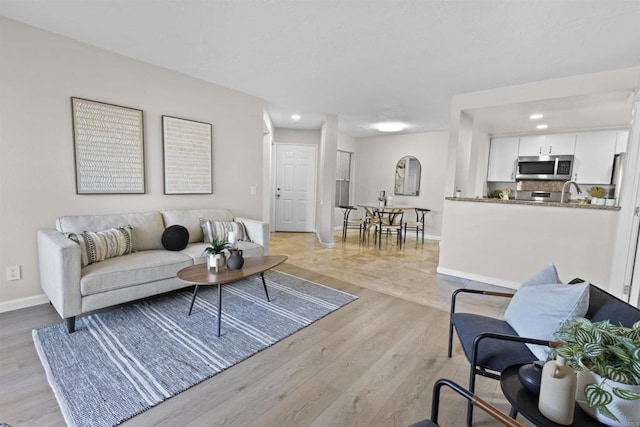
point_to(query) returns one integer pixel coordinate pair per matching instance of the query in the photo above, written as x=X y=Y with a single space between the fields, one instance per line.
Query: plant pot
x=217 y=262
x=627 y=411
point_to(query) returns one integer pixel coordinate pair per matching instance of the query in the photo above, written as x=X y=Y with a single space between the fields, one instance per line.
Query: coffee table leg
x=195 y=292
x=219 y=307
x=264 y=284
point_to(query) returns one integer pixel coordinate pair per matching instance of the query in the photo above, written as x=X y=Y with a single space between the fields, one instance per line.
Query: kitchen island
x=503 y=242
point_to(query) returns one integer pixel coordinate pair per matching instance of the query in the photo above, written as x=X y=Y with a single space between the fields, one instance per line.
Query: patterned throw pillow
x=219 y=230
x=101 y=245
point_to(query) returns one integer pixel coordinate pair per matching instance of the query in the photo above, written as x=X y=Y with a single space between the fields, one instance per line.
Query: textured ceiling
x=366 y=61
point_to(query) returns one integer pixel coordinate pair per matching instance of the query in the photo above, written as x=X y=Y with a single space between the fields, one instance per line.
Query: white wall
x=296 y=136
x=39 y=73
x=468 y=152
x=376 y=159
x=504 y=244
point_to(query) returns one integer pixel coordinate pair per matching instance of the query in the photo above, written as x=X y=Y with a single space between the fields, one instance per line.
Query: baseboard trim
x=19 y=303
x=324 y=244
x=478 y=278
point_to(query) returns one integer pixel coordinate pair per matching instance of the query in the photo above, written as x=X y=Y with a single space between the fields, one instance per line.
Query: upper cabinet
x=593 y=161
x=503 y=154
x=593 y=153
x=546 y=145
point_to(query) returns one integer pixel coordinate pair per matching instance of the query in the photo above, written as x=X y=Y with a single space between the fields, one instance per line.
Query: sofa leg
x=71 y=324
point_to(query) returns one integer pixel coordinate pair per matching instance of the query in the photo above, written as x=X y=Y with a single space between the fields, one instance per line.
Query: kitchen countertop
x=532 y=203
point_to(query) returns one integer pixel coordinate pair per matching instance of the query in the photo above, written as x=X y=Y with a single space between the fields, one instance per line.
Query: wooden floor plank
x=372 y=362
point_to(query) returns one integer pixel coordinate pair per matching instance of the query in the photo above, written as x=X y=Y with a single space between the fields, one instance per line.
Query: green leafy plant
x=597 y=192
x=217 y=247
x=611 y=351
x=493 y=194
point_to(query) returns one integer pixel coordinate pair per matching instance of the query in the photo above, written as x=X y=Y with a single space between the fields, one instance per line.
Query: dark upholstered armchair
x=491 y=344
x=473 y=400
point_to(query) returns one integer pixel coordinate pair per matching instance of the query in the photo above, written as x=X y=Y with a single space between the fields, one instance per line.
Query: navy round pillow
x=175 y=238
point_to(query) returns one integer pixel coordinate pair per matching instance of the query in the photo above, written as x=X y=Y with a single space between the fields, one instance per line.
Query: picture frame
x=108 y=144
x=188 y=156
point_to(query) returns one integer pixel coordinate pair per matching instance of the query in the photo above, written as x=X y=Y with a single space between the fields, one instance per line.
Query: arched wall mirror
x=408 y=172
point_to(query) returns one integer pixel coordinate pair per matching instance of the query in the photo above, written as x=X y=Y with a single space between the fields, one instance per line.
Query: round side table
x=526 y=403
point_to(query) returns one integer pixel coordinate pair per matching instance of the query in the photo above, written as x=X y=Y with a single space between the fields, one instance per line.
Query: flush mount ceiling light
x=295 y=116
x=536 y=116
x=542 y=126
x=390 y=127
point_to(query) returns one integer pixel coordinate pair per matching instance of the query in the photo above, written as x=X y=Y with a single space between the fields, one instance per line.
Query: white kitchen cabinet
x=593 y=161
x=547 y=145
x=503 y=153
x=531 y=145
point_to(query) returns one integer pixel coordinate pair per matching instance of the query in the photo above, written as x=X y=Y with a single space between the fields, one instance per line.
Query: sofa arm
x=258 y=232
x=59 y=260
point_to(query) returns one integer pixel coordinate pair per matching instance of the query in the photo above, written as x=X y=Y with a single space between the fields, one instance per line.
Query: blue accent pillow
x=543 y=304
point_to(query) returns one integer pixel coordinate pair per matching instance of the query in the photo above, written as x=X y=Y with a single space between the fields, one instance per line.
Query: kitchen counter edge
x=532 y=203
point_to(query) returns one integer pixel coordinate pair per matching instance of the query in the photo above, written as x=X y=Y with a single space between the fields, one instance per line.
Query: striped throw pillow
x=219 y=230
x=101 y=245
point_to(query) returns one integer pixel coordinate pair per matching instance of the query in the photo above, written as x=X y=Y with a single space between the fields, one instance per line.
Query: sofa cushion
x=131 y=270
x=604 y=306
x=542 y=305
x=190 y=218
x=175 y=238
x=147 y=227
x=101 y=245
x=492 y=354
x=219 y=230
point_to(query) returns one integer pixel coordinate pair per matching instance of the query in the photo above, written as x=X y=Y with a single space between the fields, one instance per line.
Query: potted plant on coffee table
x=216 y=257
x=607 y=360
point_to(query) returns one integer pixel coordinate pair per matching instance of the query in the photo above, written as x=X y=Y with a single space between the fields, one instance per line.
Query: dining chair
x=418 y=224
x=371 y=221
x=390 y=220
x=351 y=223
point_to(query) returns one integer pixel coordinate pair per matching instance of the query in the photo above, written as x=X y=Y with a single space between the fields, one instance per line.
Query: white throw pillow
x=542 y=305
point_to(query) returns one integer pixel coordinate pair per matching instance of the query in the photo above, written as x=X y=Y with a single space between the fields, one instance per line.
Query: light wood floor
x=371 y=363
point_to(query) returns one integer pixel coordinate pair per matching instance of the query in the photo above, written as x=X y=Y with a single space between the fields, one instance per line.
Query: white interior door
x=295 y=190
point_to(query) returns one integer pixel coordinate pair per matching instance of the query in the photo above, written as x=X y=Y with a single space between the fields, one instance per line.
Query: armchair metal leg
x=450 y=347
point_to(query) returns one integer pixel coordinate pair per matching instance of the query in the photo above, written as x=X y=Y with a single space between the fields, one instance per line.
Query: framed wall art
x=109 y=148
x=188 y=156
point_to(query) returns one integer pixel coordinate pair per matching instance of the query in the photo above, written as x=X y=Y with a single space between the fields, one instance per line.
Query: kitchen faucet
x=564 y=187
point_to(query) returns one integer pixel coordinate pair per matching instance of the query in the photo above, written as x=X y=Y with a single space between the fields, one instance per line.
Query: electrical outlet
x=253 y=190
x=13 y=272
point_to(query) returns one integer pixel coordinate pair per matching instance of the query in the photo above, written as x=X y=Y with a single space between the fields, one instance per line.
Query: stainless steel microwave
x=552 y=168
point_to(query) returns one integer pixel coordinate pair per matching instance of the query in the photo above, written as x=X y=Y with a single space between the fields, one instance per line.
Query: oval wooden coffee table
x=200 y=275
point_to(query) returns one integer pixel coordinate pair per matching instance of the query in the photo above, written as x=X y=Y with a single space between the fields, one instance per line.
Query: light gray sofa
x=148 y=270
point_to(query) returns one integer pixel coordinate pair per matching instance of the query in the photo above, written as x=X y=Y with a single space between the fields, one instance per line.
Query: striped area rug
x=124 y=361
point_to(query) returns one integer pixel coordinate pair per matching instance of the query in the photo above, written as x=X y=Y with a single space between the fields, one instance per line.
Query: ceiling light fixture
x=536 y=116
x=295 y=116
x=542 y=126
x=390 y=127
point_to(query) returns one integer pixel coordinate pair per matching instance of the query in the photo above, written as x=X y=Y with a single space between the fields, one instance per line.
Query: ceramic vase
x=235 y=261
x=557 y=392
x=530 y=376
x=626 y=411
